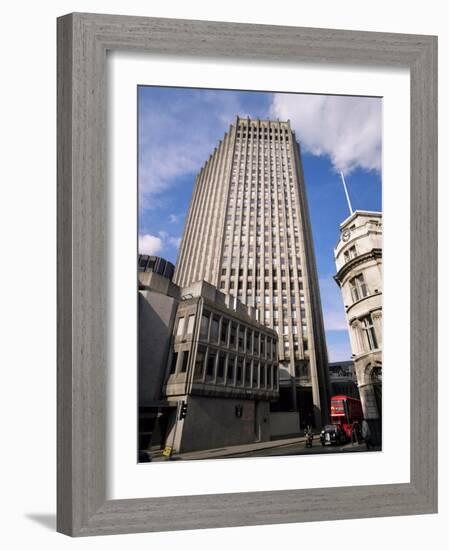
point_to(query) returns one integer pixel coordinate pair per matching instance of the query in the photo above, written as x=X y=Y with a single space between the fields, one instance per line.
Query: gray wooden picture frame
x=83 y=40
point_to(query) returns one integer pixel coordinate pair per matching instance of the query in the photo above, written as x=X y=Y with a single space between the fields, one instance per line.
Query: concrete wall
x=156 y=317
x=284 y=423
x=212 y=423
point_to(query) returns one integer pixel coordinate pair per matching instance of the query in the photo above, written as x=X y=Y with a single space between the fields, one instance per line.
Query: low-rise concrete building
x=207 y=368
x=223 y=369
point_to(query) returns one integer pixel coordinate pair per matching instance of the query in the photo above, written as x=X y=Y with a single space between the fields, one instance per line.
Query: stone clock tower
x=358 y=259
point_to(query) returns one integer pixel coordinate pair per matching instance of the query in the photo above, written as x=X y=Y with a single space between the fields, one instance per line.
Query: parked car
x=332 y=434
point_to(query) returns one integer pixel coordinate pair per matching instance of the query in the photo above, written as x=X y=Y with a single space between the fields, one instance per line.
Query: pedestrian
x=309 y=436
x=355 y=432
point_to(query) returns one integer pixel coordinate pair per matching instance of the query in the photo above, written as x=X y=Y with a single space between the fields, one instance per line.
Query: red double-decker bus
x=347 y=412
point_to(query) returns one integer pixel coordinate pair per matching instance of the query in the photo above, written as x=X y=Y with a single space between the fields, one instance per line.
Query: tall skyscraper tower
x=248 y=233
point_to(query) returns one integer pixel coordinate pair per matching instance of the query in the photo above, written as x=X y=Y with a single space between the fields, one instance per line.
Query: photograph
x=259 y=273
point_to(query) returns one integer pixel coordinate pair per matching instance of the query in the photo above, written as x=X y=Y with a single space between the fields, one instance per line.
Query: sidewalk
x=232 y=450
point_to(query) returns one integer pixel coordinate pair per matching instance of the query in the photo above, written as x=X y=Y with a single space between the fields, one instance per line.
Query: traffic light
x=183 y=411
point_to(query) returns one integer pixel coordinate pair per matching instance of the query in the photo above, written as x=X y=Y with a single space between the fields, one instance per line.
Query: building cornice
x=373 y=254
x=357 y=213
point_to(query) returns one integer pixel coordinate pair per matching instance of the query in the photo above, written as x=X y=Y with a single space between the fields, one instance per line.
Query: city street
x=284 y=447
x=298 y=448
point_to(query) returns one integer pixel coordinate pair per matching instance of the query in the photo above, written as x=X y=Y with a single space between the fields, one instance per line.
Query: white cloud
x=348 y=129
x=177 y=134
x=176 y=140
x=149 y=244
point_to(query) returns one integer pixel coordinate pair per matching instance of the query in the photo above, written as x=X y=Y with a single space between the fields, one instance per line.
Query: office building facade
x=248 y=233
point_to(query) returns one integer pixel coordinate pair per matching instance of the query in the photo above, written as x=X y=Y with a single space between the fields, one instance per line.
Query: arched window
x=370 y=333
x=358 y=287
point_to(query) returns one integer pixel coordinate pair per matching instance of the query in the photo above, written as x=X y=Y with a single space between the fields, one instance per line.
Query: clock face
x=345 y=235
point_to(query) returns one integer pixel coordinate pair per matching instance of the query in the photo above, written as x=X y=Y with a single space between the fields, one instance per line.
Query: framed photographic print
x=272 y=190
x=213 y=381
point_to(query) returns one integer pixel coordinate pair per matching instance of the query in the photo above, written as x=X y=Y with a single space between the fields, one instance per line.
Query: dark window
x=230 y=375
x=256 y=344
x=232 y=335
x=211 y=357
x=249 y=335
x=302 y=369
x=204 y=326
x=185 y=360
x=262 y=375
x=224 y=331
x=174 y=359
x=221 y=365
x=255 y=374
x=241 y=337
x=247 y=373
x=199 y=362
x=239 y=370
x=214 y=329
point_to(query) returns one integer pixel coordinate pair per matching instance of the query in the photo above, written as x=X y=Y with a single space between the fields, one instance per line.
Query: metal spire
x=346 y=193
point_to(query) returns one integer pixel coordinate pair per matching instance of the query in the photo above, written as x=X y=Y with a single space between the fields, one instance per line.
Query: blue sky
x=179 y=128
